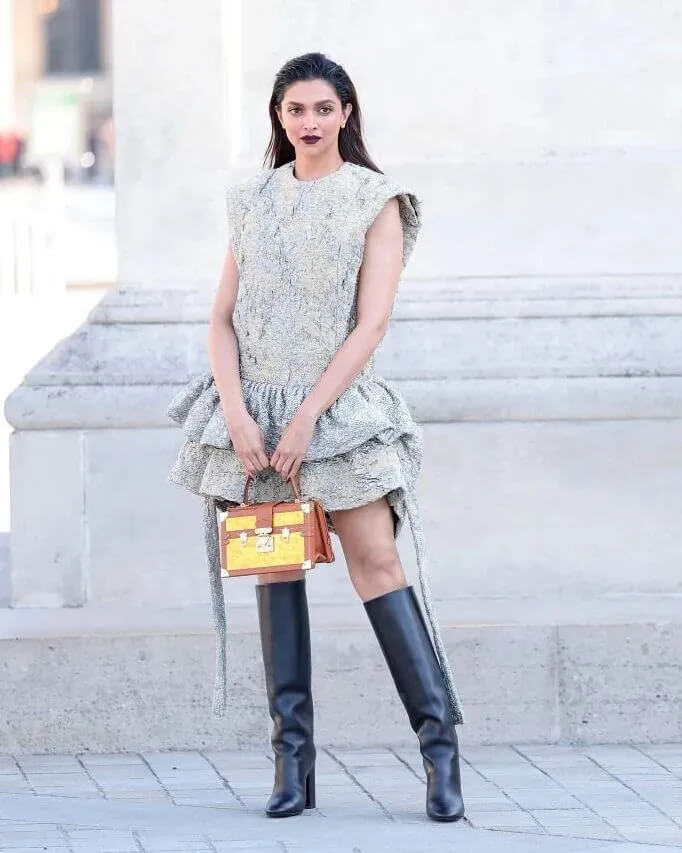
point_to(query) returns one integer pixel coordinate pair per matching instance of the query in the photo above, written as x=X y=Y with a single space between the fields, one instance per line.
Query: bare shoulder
x=384 y=203
x=388 y=217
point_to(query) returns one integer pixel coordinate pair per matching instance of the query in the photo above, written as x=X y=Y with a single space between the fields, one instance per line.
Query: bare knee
x=377 y=569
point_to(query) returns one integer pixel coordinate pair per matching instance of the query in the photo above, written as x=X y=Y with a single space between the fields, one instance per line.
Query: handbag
x=273 y=537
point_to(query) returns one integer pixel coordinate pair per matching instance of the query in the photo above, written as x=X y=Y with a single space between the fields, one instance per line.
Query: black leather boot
x=285 y=641
x=399 y=624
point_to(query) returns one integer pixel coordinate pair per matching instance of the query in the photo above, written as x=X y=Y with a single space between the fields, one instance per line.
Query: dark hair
x=316 y=66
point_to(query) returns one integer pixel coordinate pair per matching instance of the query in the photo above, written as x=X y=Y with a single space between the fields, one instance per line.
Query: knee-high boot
x=399 y=625
x=285 y=641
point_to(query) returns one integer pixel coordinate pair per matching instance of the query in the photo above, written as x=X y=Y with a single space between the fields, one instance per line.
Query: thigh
x=365 y=529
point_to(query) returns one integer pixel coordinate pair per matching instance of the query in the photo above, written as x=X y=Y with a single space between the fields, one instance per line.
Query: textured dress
x=299 y=245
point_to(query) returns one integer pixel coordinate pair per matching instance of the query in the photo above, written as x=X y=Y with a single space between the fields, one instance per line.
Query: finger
x=260 y=460
x=286 y=468
x=281 y=463
x=263 y=458
x=255 y=463
x=253 y=468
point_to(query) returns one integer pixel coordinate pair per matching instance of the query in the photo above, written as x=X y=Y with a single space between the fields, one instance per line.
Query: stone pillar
x=92 y=519
x=169 y=107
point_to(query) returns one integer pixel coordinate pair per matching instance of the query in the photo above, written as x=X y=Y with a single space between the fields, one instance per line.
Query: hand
x=248 y=441
x=293 y=445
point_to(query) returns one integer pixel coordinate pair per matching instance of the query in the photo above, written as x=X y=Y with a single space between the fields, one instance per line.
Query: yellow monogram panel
x=248 y=522
x=245 y=555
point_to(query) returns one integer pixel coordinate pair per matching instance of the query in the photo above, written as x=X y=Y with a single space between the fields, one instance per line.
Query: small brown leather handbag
x=273 y=537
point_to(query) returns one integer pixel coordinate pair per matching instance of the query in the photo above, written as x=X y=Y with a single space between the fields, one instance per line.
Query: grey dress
x=298 y=247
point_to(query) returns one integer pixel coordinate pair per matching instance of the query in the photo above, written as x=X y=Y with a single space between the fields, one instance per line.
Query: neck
x=308 y=168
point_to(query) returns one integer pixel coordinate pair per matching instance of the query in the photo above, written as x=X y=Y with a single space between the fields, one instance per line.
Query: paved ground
x=553 y=799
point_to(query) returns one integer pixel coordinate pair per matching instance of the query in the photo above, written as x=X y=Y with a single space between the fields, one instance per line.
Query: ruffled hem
x=350 y=479
x=369 y=408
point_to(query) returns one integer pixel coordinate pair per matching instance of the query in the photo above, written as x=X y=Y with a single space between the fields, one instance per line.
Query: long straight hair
x=316 y=66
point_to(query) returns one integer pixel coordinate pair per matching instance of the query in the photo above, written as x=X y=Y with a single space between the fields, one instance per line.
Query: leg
x=401 y=630
x=368 y=541
x=285 y=642
x=367 y=538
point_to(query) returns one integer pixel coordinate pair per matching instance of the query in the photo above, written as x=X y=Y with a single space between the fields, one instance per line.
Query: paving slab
x=520 y=798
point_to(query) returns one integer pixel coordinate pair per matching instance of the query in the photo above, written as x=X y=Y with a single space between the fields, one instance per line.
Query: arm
x=377 y=286
x=223 y=347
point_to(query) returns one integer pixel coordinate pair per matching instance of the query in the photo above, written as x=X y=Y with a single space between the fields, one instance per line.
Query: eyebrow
x=317 y=103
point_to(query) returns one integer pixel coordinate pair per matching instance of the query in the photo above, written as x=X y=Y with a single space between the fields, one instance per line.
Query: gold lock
x=264 y=539
x=286 y=533
x=264 y=543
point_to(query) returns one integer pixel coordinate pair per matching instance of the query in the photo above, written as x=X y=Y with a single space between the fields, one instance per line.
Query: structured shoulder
x=239 y=192
x=371 y=183
x=239 y=196
x=373 y=189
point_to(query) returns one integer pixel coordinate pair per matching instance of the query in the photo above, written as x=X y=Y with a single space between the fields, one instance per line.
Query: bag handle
x=293 y=480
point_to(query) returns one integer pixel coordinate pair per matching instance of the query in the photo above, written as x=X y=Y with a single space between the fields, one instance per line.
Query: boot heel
x=310 y=789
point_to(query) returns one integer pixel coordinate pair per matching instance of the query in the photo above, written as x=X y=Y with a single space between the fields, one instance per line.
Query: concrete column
x=89 y=505
x=169 y=108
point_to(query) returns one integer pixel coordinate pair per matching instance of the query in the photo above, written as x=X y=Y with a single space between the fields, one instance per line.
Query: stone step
x=528 y=669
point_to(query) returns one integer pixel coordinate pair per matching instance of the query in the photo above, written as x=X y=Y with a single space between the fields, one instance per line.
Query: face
x=311 y=108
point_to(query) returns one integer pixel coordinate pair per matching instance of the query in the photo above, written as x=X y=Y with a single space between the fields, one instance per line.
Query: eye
x=327 y=108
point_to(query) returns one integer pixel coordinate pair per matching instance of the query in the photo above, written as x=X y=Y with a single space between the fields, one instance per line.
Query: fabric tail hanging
x=414 y=515
x=211 y=539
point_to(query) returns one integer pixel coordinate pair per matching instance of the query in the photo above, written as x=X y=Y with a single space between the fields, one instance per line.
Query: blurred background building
x=55 y=88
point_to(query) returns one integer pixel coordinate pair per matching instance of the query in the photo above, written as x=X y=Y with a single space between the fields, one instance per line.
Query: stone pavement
x=548 y=798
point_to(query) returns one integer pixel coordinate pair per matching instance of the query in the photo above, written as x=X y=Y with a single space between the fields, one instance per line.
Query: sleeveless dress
x=299 y=245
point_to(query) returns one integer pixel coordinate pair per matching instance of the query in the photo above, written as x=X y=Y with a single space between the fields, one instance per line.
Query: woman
x=318 y=241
